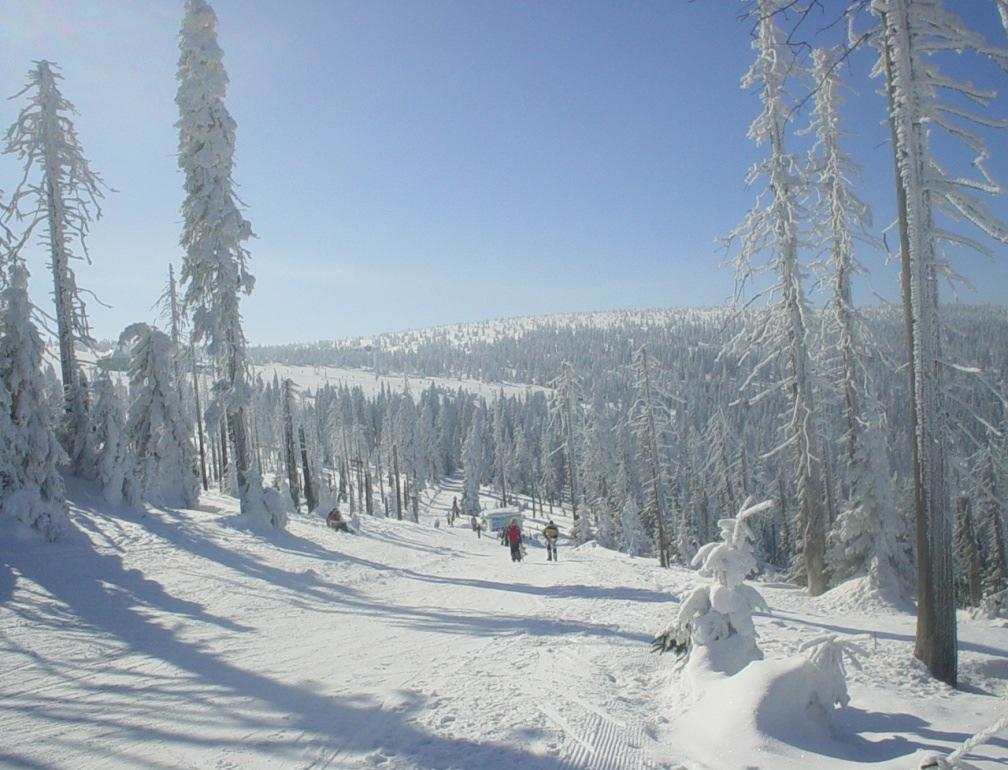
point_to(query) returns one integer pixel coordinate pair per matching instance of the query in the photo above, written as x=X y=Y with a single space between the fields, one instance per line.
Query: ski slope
x=182 y=639
x=311 y=378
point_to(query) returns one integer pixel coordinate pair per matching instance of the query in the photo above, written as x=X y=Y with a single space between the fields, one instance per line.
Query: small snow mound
x=861 y=596
x=747 y=719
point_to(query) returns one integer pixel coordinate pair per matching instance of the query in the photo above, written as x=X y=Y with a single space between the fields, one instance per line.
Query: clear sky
x=417 y=162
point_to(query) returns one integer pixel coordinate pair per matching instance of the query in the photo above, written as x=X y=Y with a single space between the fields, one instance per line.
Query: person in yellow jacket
x=551 y=534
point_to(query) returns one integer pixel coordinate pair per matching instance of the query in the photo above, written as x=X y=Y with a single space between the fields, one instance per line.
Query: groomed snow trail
x=180 y=639
x=184 y=639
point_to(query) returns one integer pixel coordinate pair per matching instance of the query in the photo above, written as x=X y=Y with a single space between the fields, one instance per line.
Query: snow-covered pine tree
x=968 y=553
x=720 y=465
x=649 y=420
x=500 y=443
x=986 y=480
x=772 y=226
x=566 y=412
x=215 y=267
x=59 y=190
x=290 y=450
x=911 y=33
x=115 y=462
x=841 y=219
x=472 y=465
x=157 y=430
x=31 y=488
x=633 y=538
x=171 y=311
x=862 y=541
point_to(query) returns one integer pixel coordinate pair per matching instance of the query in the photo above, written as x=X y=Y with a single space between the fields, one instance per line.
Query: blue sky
x=415 y=163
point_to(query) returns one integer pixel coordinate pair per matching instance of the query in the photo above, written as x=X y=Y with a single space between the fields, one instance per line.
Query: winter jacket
x=513 y=534
x=551 y=532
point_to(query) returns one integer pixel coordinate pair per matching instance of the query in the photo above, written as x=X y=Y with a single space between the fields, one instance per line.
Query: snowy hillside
x=464 y=335
x=180 y=639
x=311 y=378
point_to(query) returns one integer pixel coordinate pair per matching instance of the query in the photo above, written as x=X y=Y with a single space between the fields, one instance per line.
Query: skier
x=454 y=511
x=551 y=534
x=335 y=520
x=514 y=539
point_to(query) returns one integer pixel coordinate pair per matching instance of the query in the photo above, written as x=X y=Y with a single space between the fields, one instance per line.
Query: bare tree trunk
x=368 y=492
x=309 y=487
x=936 y=639
x=199 y=419
x=381 y=483
x=290 y=453
x=225 y=470
x=398 y=489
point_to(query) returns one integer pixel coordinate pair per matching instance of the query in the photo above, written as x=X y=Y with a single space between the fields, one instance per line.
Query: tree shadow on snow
x=854 y=724
x=892 y=636
x=126 y=695
x=558 y=591
x=207 y=696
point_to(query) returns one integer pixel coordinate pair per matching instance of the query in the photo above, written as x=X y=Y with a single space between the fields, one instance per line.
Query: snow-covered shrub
x=265 y=504
x=718 y=616
x=993 y=606
x=826 y=654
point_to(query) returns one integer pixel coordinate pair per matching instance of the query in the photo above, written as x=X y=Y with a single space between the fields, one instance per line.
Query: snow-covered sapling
x=723 y=609
x=826 y=655
x=31 y=488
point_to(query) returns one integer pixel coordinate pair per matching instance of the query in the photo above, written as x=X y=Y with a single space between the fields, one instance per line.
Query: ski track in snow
x=182 y=639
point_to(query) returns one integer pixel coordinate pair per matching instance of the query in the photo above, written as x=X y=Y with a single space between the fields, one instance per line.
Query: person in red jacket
x=514 y=539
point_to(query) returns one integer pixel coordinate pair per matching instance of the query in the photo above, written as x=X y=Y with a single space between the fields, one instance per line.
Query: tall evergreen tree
x=115 y=464
x=472 y=465
x=59 y=190
x=910 y=33
x=290 y=450
x=567 y=413
x=772 y=225
x=650 y=420
x=157 y=429
x=215 y=267
x=31 y=488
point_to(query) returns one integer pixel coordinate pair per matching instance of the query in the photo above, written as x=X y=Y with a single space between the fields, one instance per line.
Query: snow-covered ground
x=311 y=378
x=181 y=639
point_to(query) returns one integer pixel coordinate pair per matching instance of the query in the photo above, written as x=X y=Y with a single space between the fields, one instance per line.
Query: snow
x=188 y=638
x=311 y=378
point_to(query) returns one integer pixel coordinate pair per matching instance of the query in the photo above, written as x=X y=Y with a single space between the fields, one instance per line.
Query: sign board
x=497 y=519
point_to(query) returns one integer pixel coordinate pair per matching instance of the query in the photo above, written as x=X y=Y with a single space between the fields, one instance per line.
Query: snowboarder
x=514 y=539
x=551 y=533
x=335 y=520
